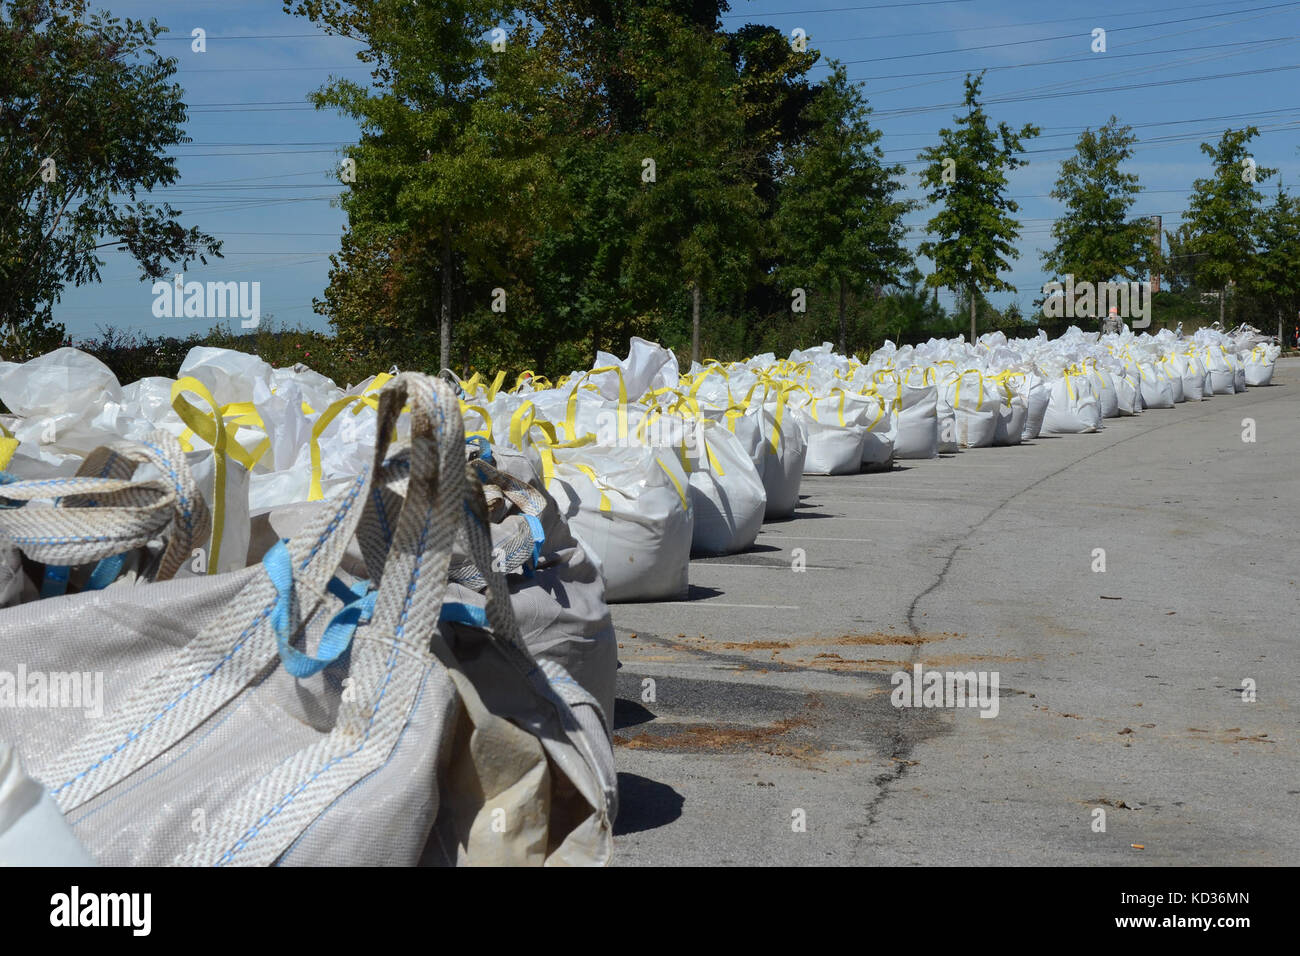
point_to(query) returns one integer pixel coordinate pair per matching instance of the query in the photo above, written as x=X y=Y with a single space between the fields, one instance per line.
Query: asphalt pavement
x=755 y=723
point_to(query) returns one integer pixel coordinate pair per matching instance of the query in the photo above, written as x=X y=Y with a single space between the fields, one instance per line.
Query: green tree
x=450 y=164
x=838 y=216
x=698 y=223
x=912 y=311
x=975 y=228
x=87 y=115
x=1095 y=240
x=1275 y=281
x=1219 y=229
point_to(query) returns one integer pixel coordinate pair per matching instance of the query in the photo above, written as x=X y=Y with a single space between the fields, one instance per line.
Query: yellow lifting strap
x=571 y=406
x=212 y=429
x=8 y=445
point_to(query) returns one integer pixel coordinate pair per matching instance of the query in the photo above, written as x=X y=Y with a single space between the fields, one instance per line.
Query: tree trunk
x=444 y=324
x=972 y=315
x=695 y=321
x=1223 y=294
x=844 y=330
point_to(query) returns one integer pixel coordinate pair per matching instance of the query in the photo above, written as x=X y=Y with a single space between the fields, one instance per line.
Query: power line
x=875 y=6
x=1064 y=36
x=1091 y=17
x=912 y=111
x=1087 y=57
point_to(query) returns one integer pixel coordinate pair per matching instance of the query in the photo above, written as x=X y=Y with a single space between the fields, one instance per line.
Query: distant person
x=1112 y=323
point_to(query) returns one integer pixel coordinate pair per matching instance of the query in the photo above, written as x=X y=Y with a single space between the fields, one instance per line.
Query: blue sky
x=261 y=169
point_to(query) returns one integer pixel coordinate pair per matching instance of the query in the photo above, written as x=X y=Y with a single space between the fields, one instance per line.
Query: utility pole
x=1155 y=267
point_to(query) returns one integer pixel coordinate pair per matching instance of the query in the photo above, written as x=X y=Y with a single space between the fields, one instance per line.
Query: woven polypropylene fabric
x=208 y=752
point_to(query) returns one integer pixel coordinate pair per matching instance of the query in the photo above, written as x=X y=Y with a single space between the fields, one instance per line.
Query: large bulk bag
x=630 y=508
x=309 y=718
x=59 y=397
x=918 y=422
x=1239 y=371
x=556 y=591
x=727 y=493
x=1128 y=397
x=1223 y=375
x=132 y=512
x=1104 y=385
x=1013 y=410
x=784 y=448
x=1037 y=399
x=947 y=418
x=1156 y=390
x=1192 y=373
x=975 y=407
x=1073 y=408
x=1259 y=366
x=834 y=432
x=880 y=419
x=1173 y=374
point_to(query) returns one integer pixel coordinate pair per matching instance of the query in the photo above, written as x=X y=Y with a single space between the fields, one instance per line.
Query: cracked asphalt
x=754 y=722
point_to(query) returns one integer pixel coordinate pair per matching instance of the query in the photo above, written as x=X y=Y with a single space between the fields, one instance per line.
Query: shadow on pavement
x=644 y=804
x=628 y=713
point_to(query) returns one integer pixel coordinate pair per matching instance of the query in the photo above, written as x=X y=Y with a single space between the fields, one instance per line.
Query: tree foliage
x=87 y=115
x=1096 y=240
x=975 y=228
x=1219 y=230
x=841 y=221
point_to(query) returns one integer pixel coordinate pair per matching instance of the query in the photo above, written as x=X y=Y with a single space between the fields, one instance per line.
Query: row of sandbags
x=415 y=665
x=652 y=464
x=646 y=463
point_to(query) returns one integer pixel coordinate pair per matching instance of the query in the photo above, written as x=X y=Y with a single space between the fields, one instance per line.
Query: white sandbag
x=64 y=381
x=834 y=432
x=1156 y=390
x=881 y=422
x=975 y=402
x=1038 y=398
x=1172 y=372
x=784 y=448
x=228 y=375
x=1192 y=374
x=1223 y=376
x=630 y=509
x=727 y=493
x=1073 y=408
x=1260 y=364
x=1013 y=410
x=1104 y=385
x=918 y=422
x=1128 y=399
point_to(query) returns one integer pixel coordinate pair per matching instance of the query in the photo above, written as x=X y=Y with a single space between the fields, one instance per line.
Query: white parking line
x=839 y=518
x=808 y=537
x=764 y=607
x=771 y=567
